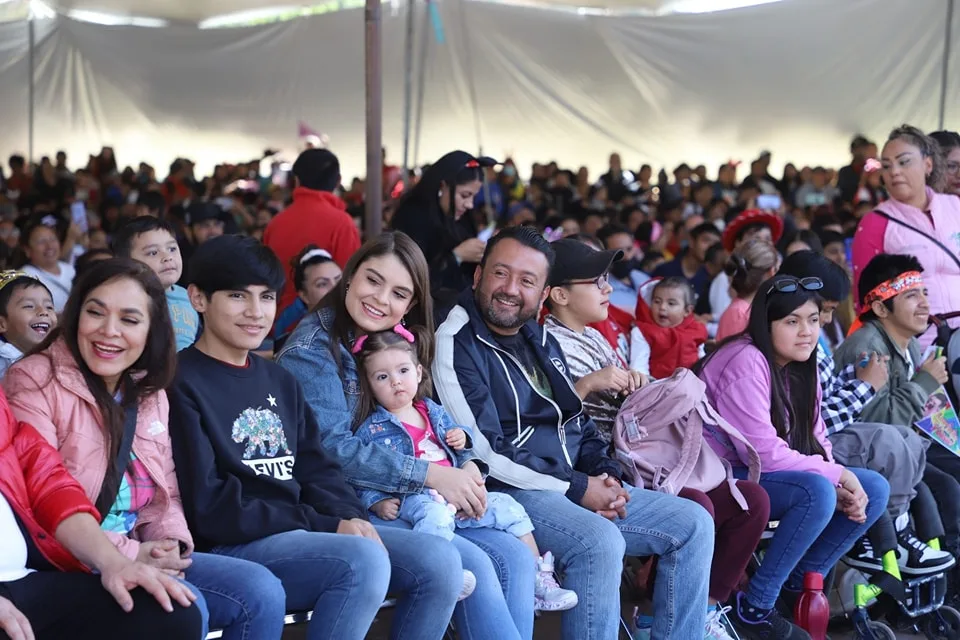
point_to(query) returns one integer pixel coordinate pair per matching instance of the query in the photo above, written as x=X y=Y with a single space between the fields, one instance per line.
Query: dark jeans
x=75 y=605
x=941 y=475
x=737 y=533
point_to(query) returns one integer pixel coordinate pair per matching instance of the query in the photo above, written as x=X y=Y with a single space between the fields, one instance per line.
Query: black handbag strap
x=126 y=444
x=926 y=235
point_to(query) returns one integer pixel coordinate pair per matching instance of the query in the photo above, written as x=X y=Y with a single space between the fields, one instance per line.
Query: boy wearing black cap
x=580 y=296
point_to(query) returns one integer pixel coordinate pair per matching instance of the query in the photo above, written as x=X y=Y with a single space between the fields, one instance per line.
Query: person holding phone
x=436 y=215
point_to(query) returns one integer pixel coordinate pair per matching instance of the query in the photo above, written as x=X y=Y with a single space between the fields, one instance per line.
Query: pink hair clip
x=358 y=344
x=404 y=333
x=399 y=329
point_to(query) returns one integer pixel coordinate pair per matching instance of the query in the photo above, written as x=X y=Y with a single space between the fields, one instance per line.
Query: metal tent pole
x=373 y=218
x=32 y=38
x=946 y=64
x=421 y=83
x=408 y=91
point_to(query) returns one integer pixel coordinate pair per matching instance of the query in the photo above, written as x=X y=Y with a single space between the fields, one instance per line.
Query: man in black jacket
x=499 y=372
x=255 y=481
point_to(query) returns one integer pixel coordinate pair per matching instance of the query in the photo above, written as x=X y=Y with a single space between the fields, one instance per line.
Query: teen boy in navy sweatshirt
x=254 y=479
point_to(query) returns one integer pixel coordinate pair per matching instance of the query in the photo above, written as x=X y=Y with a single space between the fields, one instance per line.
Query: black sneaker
x=772 y=626
x=862 y=557
x=915 y=557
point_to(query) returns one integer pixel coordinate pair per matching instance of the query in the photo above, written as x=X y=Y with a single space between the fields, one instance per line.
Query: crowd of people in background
x=228 y=401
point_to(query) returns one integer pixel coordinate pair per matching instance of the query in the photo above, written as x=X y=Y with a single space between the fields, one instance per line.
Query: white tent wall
x=798 y=77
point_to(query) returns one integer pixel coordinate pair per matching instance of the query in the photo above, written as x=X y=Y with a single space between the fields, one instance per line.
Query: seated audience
x=603 y=381
x=749 y=266
x=385 y=283
x=895 y=310
x=499 y=373
x=822 y=507
x=26 y=316
x=153 y=242
x=395 y=406
x=315 y=274
x=667 y=336
x=61 y=577
x=261 y=488
x=894 y=451
x=690 y=263
x=752 y=224
x=103 y=372
x=41 y=246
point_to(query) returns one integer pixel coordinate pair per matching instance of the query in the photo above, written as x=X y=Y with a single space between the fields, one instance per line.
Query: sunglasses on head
x=792 y=285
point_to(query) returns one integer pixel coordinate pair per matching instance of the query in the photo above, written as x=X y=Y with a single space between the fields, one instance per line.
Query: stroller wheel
x=942 y=624
x=881 y=631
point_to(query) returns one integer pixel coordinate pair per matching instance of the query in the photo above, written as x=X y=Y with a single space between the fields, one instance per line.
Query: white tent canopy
x=798 y=77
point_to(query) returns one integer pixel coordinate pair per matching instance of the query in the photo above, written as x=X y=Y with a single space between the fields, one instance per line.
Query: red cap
x=812 y=581
x=748 y=217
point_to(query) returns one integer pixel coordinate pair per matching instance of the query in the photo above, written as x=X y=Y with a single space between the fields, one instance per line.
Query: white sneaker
x=715 y=629
x=469 y=584
x=550 y=596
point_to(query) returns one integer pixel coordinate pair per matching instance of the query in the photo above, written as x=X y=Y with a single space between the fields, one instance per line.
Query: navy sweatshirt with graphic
x=248 y=455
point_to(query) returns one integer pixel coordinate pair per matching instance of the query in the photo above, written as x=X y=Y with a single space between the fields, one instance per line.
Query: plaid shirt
x=844 y=396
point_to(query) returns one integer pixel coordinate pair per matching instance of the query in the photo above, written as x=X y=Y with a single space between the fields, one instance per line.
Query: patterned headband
x=893 y=288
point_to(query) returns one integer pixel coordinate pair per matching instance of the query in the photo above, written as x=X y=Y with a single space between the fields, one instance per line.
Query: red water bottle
x=812 y=612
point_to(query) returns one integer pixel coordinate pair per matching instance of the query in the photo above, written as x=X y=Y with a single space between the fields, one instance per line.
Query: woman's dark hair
x=809 y=264
x=454 y=168
x=89 y=258
x=928 y=147
x=151 y=373
x=794 y=410
x=420 y=351
x=405 y=250
x=748 y=266
x=300 y=265
x=807 y=237
x=948 y=140
x=883 y=267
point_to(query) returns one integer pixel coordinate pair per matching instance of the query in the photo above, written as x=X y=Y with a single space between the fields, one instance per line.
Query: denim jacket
x=333 y=398
x=383 y=428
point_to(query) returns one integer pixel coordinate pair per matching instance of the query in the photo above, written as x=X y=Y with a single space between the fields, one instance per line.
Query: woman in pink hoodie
x=916 y=220
x=94 y=389
x=764 y=382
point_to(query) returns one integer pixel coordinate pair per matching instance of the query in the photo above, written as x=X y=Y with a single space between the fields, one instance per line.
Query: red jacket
x=315 y=217
x=670 y=348
x=39 y=489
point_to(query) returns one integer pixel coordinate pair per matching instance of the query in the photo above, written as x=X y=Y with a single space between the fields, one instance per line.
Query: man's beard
x=503 y=320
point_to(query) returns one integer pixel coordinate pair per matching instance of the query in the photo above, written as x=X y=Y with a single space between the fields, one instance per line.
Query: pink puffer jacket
x=56 y=401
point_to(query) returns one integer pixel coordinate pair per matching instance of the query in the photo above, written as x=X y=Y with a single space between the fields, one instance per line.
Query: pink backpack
x=658 y=437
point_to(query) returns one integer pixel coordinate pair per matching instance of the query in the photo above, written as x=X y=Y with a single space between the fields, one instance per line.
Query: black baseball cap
x=578 y=261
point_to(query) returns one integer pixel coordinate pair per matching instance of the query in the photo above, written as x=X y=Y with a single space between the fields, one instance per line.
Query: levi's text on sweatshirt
x=248 y=455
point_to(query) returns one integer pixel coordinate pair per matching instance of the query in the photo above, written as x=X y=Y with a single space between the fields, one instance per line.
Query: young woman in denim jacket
x=384 y=282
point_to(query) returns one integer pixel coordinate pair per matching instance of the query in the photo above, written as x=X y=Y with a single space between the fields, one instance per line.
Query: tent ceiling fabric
x=194 y=11
x=798 y=77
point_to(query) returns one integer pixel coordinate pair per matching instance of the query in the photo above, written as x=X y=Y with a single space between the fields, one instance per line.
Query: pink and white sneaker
x=550 y=596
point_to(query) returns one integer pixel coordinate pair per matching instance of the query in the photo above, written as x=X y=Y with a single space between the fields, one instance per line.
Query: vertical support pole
x=373 y=223
x=421 y=82
x=31 y=89
x=408 y=91
x=946 y=64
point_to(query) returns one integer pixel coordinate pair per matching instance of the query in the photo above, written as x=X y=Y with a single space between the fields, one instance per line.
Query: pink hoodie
x=738 y=385
x=941 y=274
x=57 y=402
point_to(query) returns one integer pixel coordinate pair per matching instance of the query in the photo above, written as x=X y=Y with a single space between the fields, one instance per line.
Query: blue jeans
x=501 y=606
x=201 y=604
x=244 y=598
x=429 y=516
x=342 y=579
x=812 y=534
x=590 y=551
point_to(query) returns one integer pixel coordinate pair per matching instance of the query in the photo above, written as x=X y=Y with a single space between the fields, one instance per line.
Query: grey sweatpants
x=897 y=453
